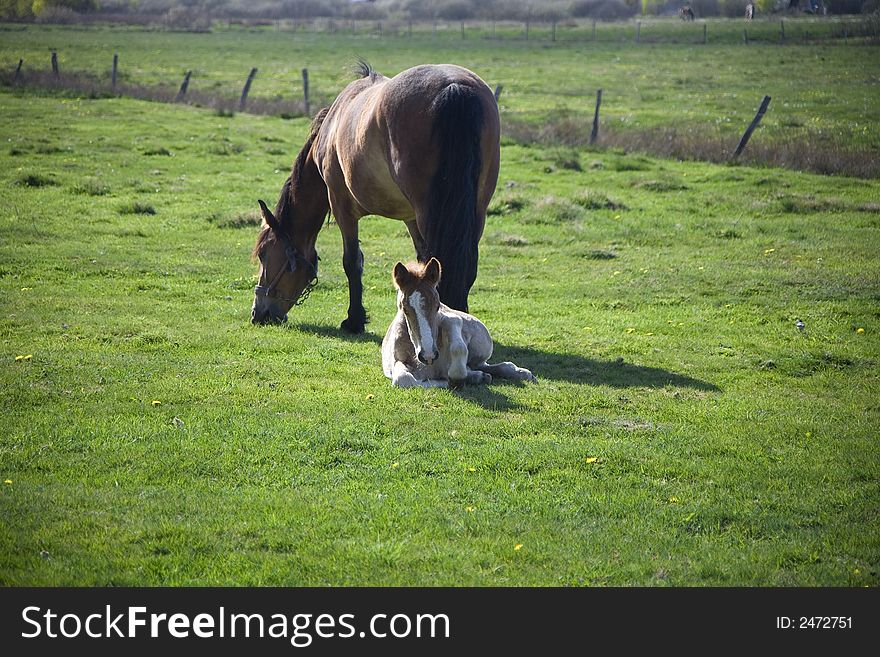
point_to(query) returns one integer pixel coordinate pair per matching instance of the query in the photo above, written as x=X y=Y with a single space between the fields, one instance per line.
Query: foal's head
x=418 y=299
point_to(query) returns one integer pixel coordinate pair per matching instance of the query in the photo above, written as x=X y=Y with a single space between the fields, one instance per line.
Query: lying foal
x=431 y=345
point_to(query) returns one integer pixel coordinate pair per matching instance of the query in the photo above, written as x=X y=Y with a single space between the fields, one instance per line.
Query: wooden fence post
x=306 y=102
x=553 y=32
x=115 y=67
x=705 y=33
x=594 y=133
x=183 y=87
x=462 y=30
x=594 y=29
x=18 y=70
x=247 y=88
x=782 y=28
x=638 y=31
x=751 y=128
x=55 y=63
x=498 y=89
x=745 y=36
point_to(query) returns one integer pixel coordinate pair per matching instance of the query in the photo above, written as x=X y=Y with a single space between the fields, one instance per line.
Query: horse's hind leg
x=507 y=370
x=418 y=241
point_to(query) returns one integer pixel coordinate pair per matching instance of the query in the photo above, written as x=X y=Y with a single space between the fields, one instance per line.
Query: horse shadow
x=546 y=365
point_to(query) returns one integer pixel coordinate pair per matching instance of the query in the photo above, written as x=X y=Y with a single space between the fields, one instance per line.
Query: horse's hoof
x=355 y=328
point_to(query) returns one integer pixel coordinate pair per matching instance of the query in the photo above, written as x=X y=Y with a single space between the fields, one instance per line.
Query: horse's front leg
x=353 y=263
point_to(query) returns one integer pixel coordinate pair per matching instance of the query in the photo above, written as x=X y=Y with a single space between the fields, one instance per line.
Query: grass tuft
x=35 y=180
x=137 y=208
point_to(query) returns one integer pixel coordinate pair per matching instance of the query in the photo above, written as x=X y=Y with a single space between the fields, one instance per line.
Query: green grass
x=824 y=94
x=684 y=432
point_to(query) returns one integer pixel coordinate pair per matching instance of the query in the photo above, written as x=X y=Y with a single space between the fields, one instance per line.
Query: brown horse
x=421 y=147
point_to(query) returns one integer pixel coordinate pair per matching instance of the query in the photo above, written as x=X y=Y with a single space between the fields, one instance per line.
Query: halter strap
x=293 y=257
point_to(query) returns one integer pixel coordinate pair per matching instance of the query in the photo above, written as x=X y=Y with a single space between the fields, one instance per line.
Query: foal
x=431 y=345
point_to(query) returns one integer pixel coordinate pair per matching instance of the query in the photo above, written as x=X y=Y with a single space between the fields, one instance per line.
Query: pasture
x=684 y=430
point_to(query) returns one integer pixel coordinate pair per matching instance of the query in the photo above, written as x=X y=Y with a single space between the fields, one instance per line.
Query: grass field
x=684 y=432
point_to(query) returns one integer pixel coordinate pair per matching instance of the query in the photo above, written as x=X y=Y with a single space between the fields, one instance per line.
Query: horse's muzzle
x=269 y=316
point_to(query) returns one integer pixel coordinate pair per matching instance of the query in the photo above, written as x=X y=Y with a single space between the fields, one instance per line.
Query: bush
x=58 y=16
x=181 y=18
x=733 y=8
x=603 y=9
x=456 y=10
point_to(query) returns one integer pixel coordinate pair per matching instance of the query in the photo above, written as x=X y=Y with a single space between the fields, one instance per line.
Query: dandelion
x=8 y=482
x=592 y=459
x=728 y=305
x=369 y=397
x=769 y=251
x=18 y=359
x=472 y=469
x=156 y=402
x=469 y=509
x=396 y=464
x=858 y=330
x=673 y=500
x=517 y=547
x=649 y=334
x=617 y=216
x=630 y=330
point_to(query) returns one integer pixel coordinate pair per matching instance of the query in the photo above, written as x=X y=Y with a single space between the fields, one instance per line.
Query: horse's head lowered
x=287 y=274
x=419 y=301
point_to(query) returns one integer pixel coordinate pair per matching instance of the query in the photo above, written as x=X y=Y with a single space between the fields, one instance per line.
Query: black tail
x=451 y=230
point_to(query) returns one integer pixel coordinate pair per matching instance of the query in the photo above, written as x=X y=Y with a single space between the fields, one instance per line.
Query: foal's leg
x=459 y=372
x=508 y=370
x=401 y=377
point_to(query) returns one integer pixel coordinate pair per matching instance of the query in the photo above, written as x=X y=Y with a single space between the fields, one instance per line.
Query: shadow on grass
x=577 y=369
x=336 y=332
x=546 y=365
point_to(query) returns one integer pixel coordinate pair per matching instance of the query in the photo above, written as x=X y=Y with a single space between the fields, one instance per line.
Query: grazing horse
x=430 y=344
x=685 y=13
x=422 y=147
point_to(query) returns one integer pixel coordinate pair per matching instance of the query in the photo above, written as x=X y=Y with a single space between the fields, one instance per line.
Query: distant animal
x=685 y=13
x=429 y=344
x=422 y=147
x=750 y=11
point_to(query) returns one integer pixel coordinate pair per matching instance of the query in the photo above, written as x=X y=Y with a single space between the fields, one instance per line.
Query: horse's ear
x=268 y=217
x=401 y=275
x=433 y=270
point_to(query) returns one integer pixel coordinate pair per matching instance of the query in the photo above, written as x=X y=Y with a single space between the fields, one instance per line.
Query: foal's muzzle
x=425 y=359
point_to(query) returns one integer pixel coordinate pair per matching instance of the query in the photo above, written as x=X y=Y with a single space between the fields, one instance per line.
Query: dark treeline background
x=176 y=13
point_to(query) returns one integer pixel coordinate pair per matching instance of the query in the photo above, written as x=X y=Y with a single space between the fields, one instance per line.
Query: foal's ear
x=268 y=217
x=401 y=275
x=433 y=271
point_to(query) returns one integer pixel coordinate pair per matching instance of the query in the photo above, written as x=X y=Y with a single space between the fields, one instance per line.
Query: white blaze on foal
x=430 y=344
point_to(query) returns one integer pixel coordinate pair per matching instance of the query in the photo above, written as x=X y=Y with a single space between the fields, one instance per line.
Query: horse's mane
x=291 y=185
x=362 y=69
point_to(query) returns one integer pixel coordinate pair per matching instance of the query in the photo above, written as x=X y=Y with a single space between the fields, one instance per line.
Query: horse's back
x=381 y=131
